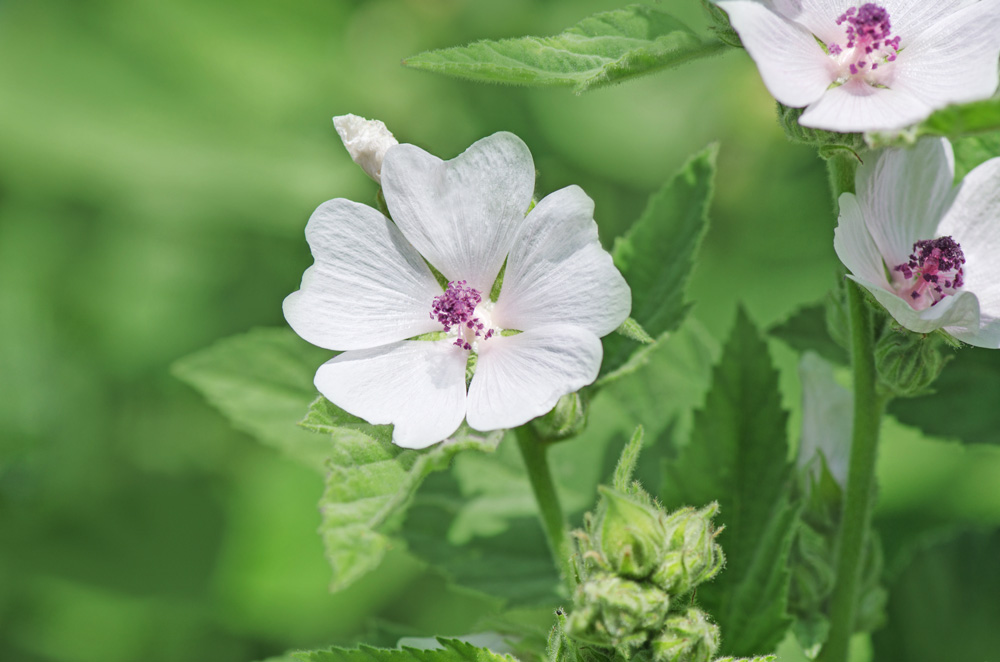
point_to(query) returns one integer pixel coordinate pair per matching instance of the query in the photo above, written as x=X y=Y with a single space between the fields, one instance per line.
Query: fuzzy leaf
x=973 y=150
x=262 y=381
x=806 y=330
x=656 y=256
x=737 y=456
x=452 y=650
x=370 y=485
x=601 y=50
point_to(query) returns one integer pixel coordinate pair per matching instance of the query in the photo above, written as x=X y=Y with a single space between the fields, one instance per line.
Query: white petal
x=820 y=18
x=367 y=286
x=794 y=67
x=857 y=106
x=904 y=193
x=954 y=60
x=417 y=386
x=522 y=376
x=959 y=312
x=854 y=244
x=462 y=214
x=911 y=18
x=366 y=141
x=974 y=222
x=558 y=273
x=827 y=412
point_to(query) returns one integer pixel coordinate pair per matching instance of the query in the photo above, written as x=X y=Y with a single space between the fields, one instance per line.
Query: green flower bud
x=629 y=533
x=908 y=363
x=827 y=141
x=692 y=555
x=566 y=419
x=686 y=638
x=615 y=612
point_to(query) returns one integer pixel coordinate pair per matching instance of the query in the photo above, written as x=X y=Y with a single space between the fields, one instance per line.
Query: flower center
x=933 y=272
x=867 y=45
x=461 y=308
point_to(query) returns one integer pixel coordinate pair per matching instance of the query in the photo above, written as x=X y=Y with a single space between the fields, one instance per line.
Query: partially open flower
x=366 y=141
x=370 y=292
x=926 y=250
x=872 y=66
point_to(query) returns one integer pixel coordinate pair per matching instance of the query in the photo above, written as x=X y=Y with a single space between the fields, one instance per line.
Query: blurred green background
x=158 y=162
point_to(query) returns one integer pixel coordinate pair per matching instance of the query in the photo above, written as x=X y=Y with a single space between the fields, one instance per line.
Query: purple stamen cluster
x=456 y=308
x=868 y=28
x=936 y=267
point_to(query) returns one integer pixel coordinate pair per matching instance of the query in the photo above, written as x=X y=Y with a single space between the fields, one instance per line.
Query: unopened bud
x=908 y=363
x=614 y=612
x=687 y=638
x=692 y=555
x=366 y=141
x=629 y=534
x=566 y=419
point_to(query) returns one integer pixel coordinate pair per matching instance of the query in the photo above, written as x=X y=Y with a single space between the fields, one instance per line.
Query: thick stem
x=840 y=167
x=533 y=450
x=859 y=494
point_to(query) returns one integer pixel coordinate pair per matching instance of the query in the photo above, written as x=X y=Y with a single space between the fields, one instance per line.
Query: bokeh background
x=158 y=162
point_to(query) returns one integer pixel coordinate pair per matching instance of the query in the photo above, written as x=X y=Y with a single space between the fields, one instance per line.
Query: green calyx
x=828 y=142
x=617 y=613
x=908 y=363
x=688 y=637
x=629 y=534
x=567 y=419
x=693 y=557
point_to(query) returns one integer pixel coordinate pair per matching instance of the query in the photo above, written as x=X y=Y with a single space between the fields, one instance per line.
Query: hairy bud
x=689 y=637
x=908 y=363
x=692 y=555
x=566 y=419
x=615 y=612
x=629 y=534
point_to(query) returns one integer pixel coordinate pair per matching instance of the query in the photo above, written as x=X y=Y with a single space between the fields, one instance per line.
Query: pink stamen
x=867 y=36
x=934 y=271
x=457 y=308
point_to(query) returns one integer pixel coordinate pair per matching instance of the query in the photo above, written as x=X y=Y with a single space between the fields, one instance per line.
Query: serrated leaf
x=737 y=456
x=600 y=50
x=370 y=484
x=950 y=412
x=262 y=381
x=806 y=330
x=657 y=254
x=452 y=650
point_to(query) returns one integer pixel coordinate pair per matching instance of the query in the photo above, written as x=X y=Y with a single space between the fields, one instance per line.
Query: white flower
x=370 y=292
x=873 y=67
x=366 y=141
x=928 y=251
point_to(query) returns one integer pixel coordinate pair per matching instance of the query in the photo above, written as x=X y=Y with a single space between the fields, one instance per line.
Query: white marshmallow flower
x=872 y=66
x=370 y=293
x=925 y=249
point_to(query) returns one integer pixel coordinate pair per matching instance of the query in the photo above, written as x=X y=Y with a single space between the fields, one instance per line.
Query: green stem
x=840 y=167
x=533 y=450
x=859 y=494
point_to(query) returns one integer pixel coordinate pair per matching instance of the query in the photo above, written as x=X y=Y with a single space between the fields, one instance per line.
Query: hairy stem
x=859 y=497
x=533 y=450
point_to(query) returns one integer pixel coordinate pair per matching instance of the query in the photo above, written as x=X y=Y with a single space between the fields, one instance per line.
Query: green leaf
x=634 y=331
x=737 y=455
x=262 y=381
x=973 y=150
x=950 y=412
x=513 y=563
x=601 y=50
x=656 y=256
x=806 y=330
x=951 y=122
x=370 y=484
x=452 y=650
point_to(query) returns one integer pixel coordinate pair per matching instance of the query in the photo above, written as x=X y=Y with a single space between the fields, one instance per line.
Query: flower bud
x=692 y=555
x=629 y=534
x=366 y=141
x=566 y=419
x=615 y=612
x=908 y=363
x=686 y=638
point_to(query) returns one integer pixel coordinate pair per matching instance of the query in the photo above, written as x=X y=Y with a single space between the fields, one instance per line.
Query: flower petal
x=558 y=273
x=959 y=312
x=903 y=195
x=911 y=18
x=857 y=106
x=522 y=376
x=462 y=214
x=953 y=60
x=974 y=222
x=854 y=244
x=418 y=386
x=367 y=286
x=794 y=67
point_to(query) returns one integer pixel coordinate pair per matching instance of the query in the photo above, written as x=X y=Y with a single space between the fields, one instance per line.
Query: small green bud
x=692 y=555
x=687 y=638
x=629 y=533
x=566 y=419
x=828 y=142
x=908 y=363
x=615 y=612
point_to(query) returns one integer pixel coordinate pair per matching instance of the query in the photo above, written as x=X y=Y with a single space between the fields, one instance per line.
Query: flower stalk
x=536 y=461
